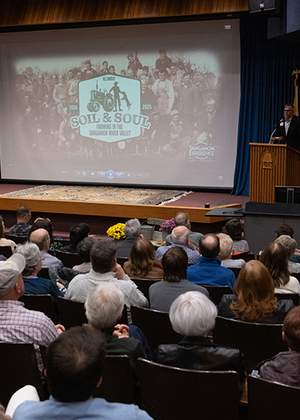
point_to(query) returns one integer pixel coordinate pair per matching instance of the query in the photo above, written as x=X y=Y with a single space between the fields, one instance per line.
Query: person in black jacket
x=289 y=128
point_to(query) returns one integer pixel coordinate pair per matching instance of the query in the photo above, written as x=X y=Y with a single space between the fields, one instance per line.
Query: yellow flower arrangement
x=116 y=231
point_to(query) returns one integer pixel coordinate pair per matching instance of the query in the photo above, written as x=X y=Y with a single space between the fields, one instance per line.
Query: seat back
x=72 y=313
x=155 y=325
x=6 y=251
x=44 y=273
x=246 y=256
x=122 y=260
x=216 y=292
x=17 y=239
x=235 y=270
x=68 y=259
x=42 y=303
x=257 y=342
x=293 y=296
x=170 y=393
x=18 y=367
x=144 y=284
x=272 y=401
x=117 y=384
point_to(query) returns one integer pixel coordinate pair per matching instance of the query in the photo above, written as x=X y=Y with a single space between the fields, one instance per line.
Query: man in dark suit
x=289 y=128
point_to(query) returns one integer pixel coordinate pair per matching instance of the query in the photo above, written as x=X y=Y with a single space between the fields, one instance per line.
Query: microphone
x=279 y=122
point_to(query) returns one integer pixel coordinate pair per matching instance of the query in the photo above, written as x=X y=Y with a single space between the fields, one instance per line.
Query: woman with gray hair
x=35 y=285
x=193 y=315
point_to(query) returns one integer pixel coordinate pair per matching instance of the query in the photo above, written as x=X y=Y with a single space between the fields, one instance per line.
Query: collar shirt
x=287 y=125
x=193 y=256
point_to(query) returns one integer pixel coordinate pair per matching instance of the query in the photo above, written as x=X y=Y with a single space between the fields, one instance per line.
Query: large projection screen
x=145 y=104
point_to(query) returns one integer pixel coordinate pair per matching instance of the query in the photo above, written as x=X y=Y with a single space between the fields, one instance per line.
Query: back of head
x=175 y=264
x=275 y=259
x=234 y=229
x=226 y=244
x=288 y=243
x=254 y=288
x=103 y=254
x=32 y=255
x=182 y=219
x=209 y=245
x=41 y=238
x=192 y=314
x=23 y=211
x=84 y=248
x=41 y=223
x=180 y=235
x=132 y=228
x=79 y=232
x=142 y=256
x=104 y=305
x=291 y=329
x=285 y=229
x=75 y=364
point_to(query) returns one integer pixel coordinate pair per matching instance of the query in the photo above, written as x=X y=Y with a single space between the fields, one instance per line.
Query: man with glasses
x=289 y=128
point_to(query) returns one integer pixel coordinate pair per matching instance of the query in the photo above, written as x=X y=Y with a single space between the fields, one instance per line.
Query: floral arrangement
x=116 y=231
x=167 y=226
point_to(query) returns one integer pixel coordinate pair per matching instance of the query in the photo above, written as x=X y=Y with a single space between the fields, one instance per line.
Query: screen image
x=147 y=104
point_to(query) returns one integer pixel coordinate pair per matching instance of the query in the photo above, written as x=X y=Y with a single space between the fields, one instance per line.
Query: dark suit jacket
x=293 y=135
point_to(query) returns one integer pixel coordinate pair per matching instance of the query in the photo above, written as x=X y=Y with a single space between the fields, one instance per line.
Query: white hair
x=132 y=228
x=104 y=305
x=32 y=255
x=180 y=239
x=192 y=314
x=226 y=244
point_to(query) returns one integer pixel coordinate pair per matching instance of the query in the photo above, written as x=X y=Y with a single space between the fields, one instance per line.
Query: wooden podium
x=271 y=165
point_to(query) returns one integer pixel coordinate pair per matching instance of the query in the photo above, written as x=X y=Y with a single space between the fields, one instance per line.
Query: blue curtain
x=266 y=85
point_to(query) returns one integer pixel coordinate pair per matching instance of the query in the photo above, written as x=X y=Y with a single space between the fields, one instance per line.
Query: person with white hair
x=290 y=245
x=193 y=315
x=35 y=285
x=132 y=230
x=225 y=252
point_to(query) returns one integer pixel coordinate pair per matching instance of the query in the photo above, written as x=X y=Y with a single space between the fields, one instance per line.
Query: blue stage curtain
x=266 y=85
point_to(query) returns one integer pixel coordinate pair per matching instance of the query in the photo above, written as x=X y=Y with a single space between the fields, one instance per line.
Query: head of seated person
x=175 y=264
x=209 y=246
x=274 y=257
x=225 y=246
x=33 y=257
x=103 y=256
x=40 y=237
x=78 y=232
x=132 y=228
x=142 y=257
x=235 y=229
x=180 y=235
x=182 y=219
x=288 y=243
x=285 y=229
x=84 y=248
x=42 y=223
x=23 y=214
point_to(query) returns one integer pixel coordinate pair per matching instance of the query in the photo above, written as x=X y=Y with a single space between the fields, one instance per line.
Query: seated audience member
x=208 y=270
x=42 y=223
x=84 y=250
x=163 y=293
x=35 y=285
x=274 y=257
x=105 y=269
x=18 y=324
x=3 y=240
x=193 y=315
x=285 y=229
x=42 y=238
x=77 y=233
x=254 y=297
x=22 y=227
x=180 y=237
x=132 y=230
x=235 y=229
x=142 y=262
x=285 y=366
x=289 y=245
x=182 y=219
x=226 y=244
x=74 y=369
x=104 y=307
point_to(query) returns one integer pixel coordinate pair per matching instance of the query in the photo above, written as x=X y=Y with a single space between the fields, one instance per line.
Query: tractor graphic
x=98 y=98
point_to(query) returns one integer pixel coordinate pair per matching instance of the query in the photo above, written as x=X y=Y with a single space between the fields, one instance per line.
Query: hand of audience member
x=121 y=331
x=120 y=273
x=59 y=284
x=191 y=245
x=60 y=328
x=2 y=414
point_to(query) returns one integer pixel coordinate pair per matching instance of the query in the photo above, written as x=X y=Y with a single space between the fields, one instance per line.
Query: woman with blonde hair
x=142 y=262
x=254 y=299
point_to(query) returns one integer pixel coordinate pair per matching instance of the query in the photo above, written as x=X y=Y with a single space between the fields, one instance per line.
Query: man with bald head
x=42 y=239
x=208 y=270
x=180 y=236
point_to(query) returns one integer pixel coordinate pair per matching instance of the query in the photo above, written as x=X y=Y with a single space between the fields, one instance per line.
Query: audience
x=182 y=219
x=142 y=262
x=235 y=229
x=163 y=293
x=22 y=227
x=254 y=297
x=181 y=238
x=84 y=250
x=42 y=238
x=132 y=231
x=193 y=315
x=77 y=233
x=274 y=257
x=74 y=369
x=226 y=244
x=208 y=270
x=285 y=366
x=3 y=240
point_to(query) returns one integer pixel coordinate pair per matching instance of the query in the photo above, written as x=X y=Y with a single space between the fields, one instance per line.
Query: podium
x=272 y=165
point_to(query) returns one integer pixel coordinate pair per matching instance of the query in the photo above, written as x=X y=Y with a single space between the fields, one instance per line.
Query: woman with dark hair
x=142 y=262
x=3 y=240
x=274 y=257
x=235 y=229
x=41 y=223
x=254 y=299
